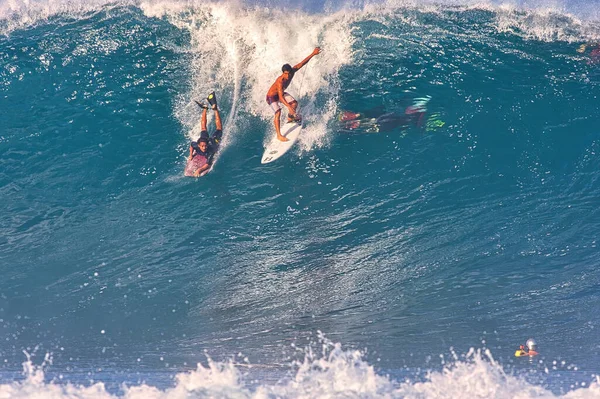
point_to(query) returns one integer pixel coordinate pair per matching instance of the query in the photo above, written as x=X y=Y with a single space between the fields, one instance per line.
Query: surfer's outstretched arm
x=316 y=51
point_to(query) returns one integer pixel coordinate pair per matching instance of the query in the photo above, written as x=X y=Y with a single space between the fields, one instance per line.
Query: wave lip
x=22 y=14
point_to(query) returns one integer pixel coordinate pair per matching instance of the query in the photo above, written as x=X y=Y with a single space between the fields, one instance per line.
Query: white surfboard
x=277 y=148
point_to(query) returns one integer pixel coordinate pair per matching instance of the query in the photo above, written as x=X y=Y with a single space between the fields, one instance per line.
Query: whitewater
x=371 y=261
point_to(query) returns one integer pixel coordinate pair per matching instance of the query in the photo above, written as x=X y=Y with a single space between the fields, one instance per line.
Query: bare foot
x=282 y=138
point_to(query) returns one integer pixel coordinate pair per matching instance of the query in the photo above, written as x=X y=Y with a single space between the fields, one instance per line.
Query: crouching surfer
x=203 y=150
x=277 y=93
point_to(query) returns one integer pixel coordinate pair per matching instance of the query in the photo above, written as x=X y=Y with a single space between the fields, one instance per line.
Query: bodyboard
x=194 y=164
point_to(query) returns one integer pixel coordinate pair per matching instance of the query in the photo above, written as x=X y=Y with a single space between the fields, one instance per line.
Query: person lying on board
x=203 y=150
x=277 y=93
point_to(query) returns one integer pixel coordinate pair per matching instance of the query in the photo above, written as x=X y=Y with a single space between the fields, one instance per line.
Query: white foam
x=550 y=17
x=544 y=24
x=331 y=372
x=20 y=14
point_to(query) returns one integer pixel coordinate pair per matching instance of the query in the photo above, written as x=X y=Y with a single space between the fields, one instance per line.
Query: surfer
x=204 y=149
x=378 y=120
x=277 y=93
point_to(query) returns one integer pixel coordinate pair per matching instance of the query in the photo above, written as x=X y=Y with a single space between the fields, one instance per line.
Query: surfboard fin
x=212 y=100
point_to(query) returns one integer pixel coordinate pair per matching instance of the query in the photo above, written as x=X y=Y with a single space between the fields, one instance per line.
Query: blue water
x=405 y=263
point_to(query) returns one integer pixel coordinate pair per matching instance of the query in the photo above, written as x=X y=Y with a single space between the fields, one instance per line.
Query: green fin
x=434 y=122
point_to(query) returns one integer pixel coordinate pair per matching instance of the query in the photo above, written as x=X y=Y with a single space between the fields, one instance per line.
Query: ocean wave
x=479 y=223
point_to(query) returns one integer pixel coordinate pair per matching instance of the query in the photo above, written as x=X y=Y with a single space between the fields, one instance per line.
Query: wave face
x=470 y=224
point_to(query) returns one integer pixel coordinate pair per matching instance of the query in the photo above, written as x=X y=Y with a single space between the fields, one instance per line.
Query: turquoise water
x=414 y=250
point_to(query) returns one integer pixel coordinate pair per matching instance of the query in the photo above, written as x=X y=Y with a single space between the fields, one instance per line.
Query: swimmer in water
x=529 y=349
x=377 y=120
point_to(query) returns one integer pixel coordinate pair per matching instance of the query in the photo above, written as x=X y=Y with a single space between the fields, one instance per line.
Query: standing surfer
x=203 y=150
x=277 y=93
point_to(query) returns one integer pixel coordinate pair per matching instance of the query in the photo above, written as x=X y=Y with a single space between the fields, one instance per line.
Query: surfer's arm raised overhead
x=316 y=51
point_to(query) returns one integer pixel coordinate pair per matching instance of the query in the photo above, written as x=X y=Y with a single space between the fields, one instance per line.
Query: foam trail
x=230 y=121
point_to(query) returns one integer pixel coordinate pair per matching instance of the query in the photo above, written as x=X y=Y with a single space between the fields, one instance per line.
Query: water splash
x=331 y=372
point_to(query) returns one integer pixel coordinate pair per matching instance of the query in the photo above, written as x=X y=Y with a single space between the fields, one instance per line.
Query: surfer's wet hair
x=286 y=68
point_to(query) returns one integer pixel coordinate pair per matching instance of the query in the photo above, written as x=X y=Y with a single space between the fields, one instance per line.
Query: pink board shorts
x=273 y=101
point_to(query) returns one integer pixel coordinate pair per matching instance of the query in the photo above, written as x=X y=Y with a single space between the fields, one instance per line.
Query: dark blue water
x=408 y=245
